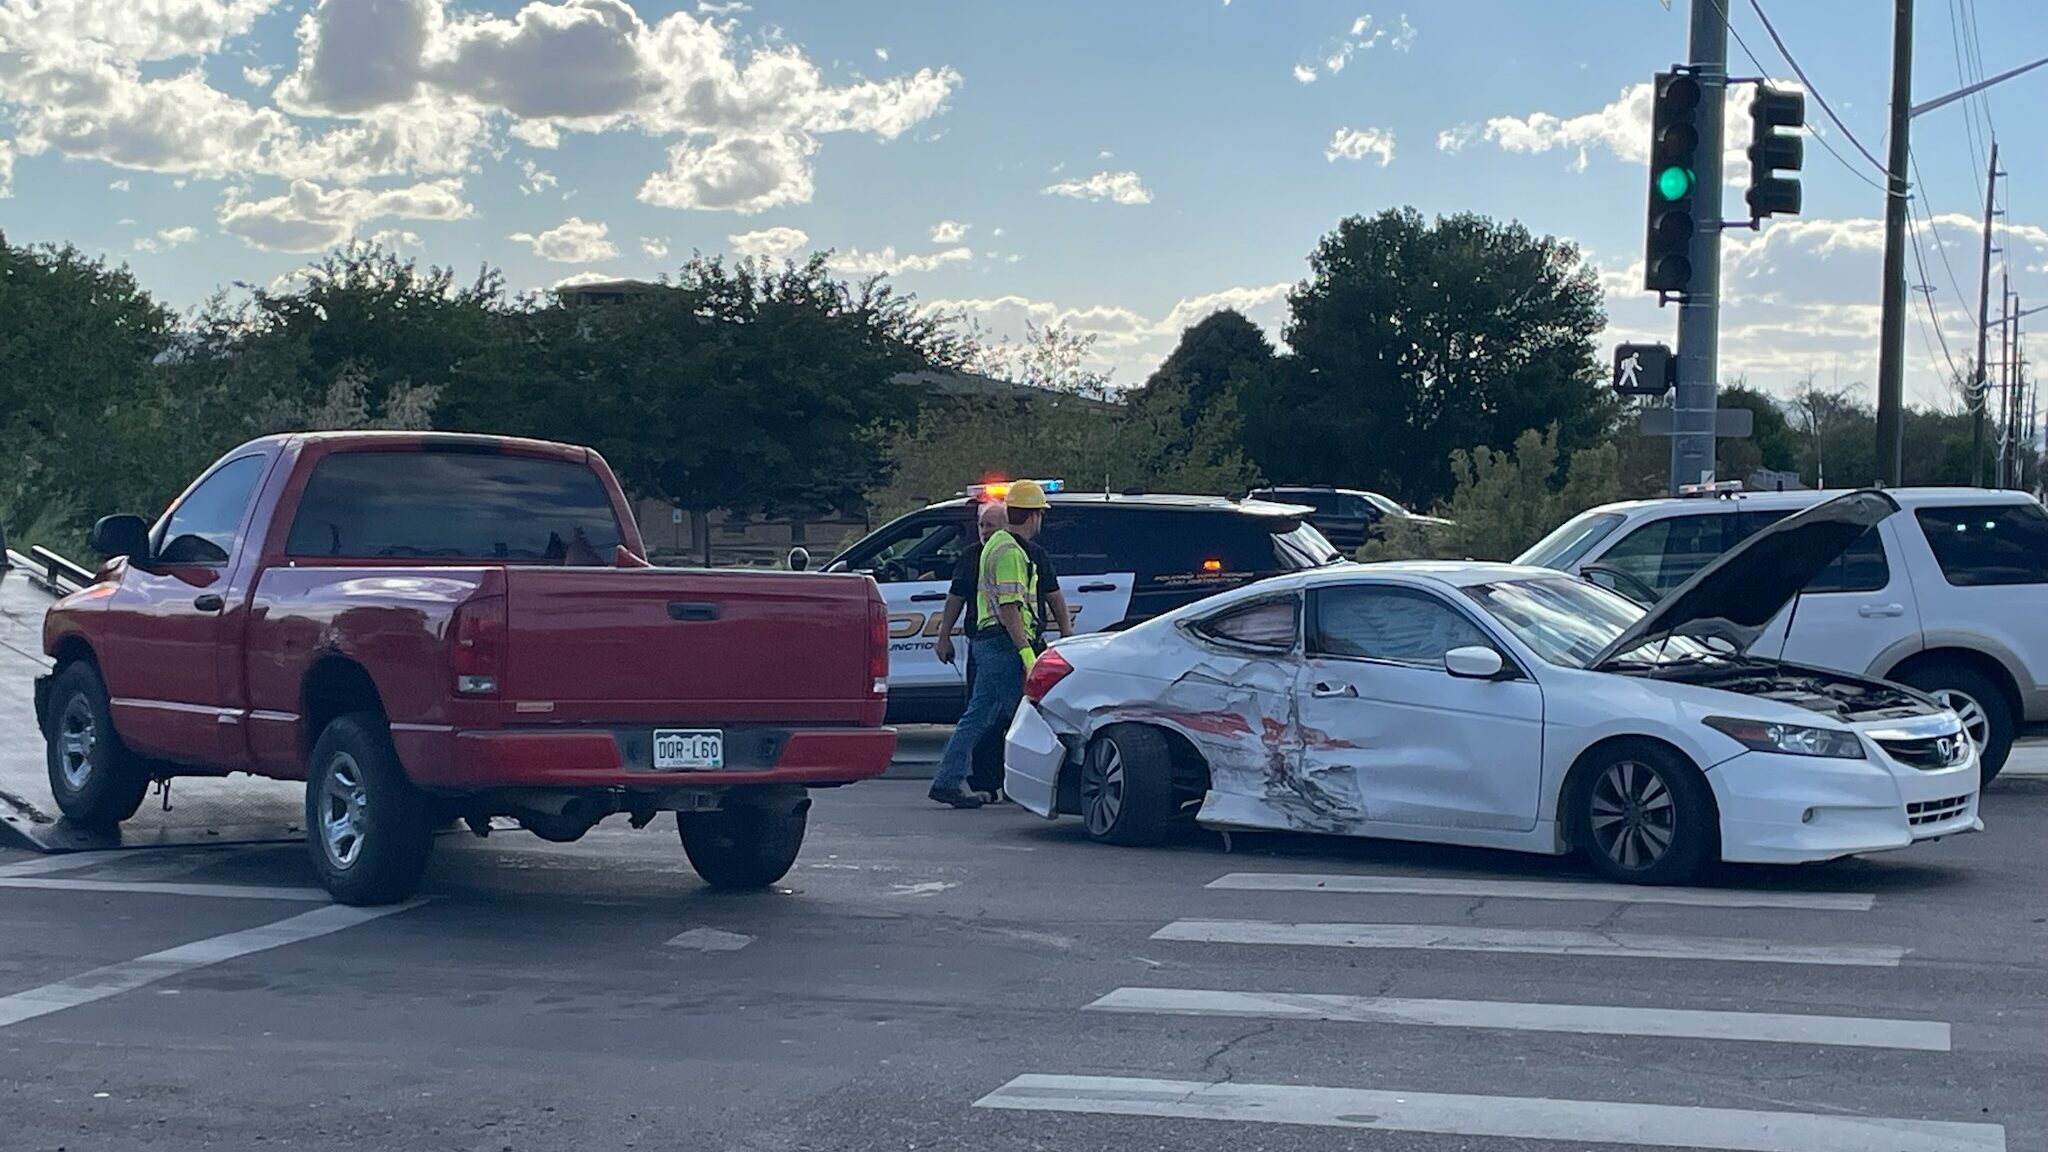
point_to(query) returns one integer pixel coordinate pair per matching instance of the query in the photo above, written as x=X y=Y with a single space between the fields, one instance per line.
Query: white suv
x=1948 y=595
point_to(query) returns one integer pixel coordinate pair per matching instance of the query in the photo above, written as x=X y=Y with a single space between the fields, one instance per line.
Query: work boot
x=958 y=797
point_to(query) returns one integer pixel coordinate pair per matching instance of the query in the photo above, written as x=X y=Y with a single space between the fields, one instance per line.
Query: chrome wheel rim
x=1634 y=815
x=1102 y=788
x=1976 y=724
x=77 y=738
x=342 y=802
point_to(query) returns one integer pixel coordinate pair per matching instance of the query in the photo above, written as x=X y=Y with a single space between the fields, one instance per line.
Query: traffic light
x=1674 y=151
x=1775 y=156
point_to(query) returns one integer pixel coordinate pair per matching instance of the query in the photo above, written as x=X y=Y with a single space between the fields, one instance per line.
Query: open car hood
x=1737 y=596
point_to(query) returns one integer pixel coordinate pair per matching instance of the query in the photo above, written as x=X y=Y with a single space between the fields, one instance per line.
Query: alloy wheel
x=78 y=736
x=1634 y=816
x=1102 y=788
x=1975 y=722
x=342 y=802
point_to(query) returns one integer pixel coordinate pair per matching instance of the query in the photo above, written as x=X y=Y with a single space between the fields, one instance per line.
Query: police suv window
x=1988 y=544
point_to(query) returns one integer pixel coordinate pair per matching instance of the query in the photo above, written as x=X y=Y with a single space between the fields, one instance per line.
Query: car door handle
x=927 y=597
x=208 y=602
x=1878 y=611
x=1096 y=588
x=692 y=612
x=1334 y=691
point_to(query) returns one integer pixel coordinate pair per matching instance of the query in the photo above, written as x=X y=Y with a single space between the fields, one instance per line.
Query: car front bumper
x=1778 y=809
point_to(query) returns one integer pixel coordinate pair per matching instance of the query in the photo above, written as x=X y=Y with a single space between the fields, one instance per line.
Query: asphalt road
x=932 y=979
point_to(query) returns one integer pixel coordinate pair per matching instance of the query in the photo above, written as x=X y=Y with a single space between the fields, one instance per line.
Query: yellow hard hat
x=1028 y=495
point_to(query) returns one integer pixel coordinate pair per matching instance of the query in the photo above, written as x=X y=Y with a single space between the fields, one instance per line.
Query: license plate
x=689 y=751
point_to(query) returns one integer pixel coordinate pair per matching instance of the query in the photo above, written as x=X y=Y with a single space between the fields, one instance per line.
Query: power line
x=1932 y=227
x=1927 y=295
x=1955 y=33
x=1758 y=7
x=1817 y=138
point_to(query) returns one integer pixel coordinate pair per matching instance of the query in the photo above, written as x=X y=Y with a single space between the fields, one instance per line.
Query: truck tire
x=97 y=781
x=1986 y=713
x=751 y=842
x=368 y=830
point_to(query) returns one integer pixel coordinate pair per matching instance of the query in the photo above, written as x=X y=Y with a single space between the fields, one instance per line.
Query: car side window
x=1397 y=625
x=200 y=531
x=1862 y=568
x=1988 y=545
x=1270 y=624
x=922 y=549
x=1665 y=553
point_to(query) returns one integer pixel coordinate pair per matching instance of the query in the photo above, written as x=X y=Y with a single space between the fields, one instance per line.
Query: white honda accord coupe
x=1500 y=707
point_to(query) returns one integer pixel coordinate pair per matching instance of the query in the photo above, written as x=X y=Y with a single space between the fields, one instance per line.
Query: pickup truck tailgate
x=679 y=646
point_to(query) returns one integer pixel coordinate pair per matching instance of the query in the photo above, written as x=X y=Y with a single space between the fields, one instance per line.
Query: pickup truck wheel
x=750 y=843
x=368 y=829
x=96 y=780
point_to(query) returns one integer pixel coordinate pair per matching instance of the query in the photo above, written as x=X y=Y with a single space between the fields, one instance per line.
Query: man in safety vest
x=1000 y=646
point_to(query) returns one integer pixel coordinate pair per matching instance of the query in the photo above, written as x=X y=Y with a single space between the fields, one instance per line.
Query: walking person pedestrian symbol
x=1630 y=369
x=1642 y=369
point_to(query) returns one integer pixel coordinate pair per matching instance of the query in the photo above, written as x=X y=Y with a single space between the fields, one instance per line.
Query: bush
x=1505 y=502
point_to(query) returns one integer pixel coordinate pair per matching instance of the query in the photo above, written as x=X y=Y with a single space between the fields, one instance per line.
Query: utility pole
x=1699 y=314
x=1891 y=352
x=2005 y=327
x=1978 y=394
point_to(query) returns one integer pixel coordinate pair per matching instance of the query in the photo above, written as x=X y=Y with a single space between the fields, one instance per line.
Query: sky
x=1120 y=168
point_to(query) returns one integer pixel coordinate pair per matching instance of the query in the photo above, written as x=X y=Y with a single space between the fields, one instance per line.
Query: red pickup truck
x=430 y=628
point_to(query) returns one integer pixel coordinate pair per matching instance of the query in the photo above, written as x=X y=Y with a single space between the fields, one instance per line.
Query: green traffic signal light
x=1674 y=183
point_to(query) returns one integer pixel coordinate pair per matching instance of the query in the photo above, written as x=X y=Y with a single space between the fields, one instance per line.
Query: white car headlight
x=1789 y=739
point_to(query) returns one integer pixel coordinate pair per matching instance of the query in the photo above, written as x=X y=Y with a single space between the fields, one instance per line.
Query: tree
x=1218 y=353
x=1771 y=443
x=1505 y=502
x=1412 y=339
x=741 y=387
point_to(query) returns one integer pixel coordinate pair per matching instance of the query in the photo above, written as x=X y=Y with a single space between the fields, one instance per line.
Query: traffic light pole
x=1699 y=313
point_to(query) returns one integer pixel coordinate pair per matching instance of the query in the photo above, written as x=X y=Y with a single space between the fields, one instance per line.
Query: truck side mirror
x=799 y=559
x=121 y=537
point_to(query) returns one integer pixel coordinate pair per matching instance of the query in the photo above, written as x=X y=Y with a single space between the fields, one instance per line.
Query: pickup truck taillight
x=476 y=651
x=878 y=644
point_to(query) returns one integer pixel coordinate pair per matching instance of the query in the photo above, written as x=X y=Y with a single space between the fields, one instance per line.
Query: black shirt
x=967 y=582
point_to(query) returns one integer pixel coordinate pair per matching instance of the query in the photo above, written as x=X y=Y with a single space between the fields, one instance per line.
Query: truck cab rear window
x=454 y=506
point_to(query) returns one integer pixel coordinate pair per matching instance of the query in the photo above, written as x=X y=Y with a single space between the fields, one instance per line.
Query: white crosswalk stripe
x=1542 y=890
x=1593 y=1019
x=1548 y=941
x=1579 y=1121
x=1576 y=1121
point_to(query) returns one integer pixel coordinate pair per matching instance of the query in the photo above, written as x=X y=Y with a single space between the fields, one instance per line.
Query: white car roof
x=1455 y=573
x=1908 y=498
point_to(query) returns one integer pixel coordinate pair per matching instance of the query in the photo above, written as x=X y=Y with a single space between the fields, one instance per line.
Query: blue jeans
x=998 y=689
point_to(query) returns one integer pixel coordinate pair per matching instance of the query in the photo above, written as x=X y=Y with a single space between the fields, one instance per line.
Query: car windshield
x=1385 y=505
x=1312 y=545
x=1571 y=540
x=1569 y=622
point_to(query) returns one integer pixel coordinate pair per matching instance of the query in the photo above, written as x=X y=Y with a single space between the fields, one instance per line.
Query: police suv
x=1121 y=559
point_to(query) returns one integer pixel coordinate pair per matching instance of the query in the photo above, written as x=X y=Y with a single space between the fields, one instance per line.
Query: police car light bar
x=1717 y=488
x=1001 y=489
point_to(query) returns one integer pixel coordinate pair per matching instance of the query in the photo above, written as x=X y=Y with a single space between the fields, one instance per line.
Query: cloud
x=1337 y=53
x=118 y=186
x=770 y=243
x=882 y=54
x=537 y=178
x=654 y=248
x=1120 y=187
x=949 y=232
x=6 y=170
x=578 y=279
x=1454 y=139
x=854 y=262
x=1357 y=144
x=573 y=241
x=309 y=218
x=1128 y=343
x=420 y=88
x=1621 y=128
x=395 y=238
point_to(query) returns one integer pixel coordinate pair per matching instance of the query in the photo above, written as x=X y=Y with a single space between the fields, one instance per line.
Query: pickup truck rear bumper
x=457 y=761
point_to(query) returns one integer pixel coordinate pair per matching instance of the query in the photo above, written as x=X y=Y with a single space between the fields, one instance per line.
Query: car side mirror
x=1476 y=662
x=799 y=559
x=121 y=537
